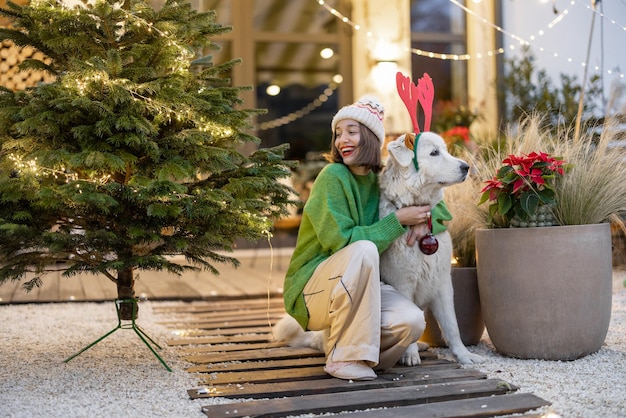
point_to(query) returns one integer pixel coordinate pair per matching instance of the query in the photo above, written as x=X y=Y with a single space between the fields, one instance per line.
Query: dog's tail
x=290 y=331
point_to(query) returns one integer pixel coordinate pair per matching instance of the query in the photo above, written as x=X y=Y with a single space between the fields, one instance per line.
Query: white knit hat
x=366 y=110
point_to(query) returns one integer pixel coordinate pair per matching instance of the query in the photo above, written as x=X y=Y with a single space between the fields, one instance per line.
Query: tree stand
x=132 y=325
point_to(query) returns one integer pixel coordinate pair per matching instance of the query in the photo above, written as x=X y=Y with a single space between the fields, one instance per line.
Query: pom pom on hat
x=366 y=110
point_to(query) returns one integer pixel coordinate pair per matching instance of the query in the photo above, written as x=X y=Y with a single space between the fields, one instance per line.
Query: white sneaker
x=350 y=370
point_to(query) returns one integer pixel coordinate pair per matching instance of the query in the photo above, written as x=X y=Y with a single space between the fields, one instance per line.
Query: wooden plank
x=358 y=400
x=324 y=385
x=8 y=289
x=258 y=365
x=221 y=339
x=419 y=375
x=97 y=287
x=221 y=324
x=162 y=284
x=223 y=348
x=276 y=311
x=287 y=363
x=71 y=288
x=264 y=354
x=221 y=332
x=207 y=321
x=220 y=305
x=49 y=290
x=299 y=373
x=474 y=407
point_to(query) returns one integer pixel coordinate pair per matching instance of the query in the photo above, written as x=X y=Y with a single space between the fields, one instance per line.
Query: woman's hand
x=416 y=232
x=413 y=215
x=416 y=218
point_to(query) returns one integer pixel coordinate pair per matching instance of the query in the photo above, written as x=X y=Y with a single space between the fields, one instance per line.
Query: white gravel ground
x=120 y=377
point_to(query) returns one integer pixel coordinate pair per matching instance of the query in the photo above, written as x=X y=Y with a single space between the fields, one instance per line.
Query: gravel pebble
x=120 y=377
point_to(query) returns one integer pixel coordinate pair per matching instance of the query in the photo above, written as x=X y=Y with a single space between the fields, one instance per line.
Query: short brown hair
x=368 y=147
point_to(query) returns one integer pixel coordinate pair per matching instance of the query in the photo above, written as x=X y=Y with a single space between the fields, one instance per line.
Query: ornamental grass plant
x=593 y=188
x=466 y=217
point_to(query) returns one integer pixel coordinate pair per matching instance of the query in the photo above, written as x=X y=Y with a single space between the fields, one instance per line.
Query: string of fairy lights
x=320 y=100
x=531 y=41
x=599 y=13
x=519 y=39
x=436 y=55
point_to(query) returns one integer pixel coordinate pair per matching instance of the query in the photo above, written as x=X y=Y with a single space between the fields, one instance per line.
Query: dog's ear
x=401 y=150
x=409 y=141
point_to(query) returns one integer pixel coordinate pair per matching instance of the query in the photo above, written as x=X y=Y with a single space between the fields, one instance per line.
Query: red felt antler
x=426 y=92
x=411 y=94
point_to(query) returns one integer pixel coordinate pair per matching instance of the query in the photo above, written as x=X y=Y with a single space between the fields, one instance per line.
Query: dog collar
x=417 y=137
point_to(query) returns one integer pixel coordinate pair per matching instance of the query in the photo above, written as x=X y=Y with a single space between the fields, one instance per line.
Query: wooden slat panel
x=207 y=321
x=222 y=348
x=414 y=374
x=296 y=388
x=359 y=400
x=263 y=354
x=219 y=305
x=475 y=407
x=258 y=365
x=298 y=362
x=219 y=339
x=253 y=312
x=271 y=353
x=291 y=374
x=222 y=324
x=235 y=355
x=232 y=331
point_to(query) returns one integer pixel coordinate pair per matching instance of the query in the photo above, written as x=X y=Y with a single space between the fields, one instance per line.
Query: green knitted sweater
x=342 y=208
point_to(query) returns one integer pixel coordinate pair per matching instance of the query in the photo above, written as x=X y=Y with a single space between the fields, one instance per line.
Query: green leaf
x=529 y=201
x=505 y=203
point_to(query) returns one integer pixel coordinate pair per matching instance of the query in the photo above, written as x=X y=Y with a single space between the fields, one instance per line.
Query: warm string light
x=36 y=170
x=428 y=54
x=284 y=120
x=465 y=57
x=524 y=42
x=488 y=23
x=602 y=15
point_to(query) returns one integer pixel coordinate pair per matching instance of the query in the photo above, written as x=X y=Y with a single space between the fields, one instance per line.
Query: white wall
x=570 y=37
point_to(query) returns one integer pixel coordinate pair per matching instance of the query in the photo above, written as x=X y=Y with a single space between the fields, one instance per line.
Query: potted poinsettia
x=546 y=292
x=522 y=191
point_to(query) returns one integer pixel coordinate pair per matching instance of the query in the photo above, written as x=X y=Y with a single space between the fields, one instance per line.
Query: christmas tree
x=133 y=152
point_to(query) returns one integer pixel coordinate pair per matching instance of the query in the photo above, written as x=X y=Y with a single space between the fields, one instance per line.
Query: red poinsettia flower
x=522 y=184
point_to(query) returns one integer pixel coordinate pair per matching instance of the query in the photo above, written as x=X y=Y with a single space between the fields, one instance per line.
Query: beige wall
x=481 y=72
x=390 y=22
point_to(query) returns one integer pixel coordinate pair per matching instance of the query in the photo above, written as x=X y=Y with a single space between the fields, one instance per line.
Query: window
x=280 y=42
x=438 y=26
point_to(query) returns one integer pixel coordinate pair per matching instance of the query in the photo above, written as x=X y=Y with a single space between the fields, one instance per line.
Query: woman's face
x=347 y=137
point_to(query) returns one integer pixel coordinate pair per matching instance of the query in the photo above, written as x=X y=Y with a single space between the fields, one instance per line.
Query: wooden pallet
x=230 y=344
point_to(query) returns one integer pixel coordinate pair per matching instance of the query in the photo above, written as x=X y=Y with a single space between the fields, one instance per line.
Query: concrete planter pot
x=468 y=312
x=546 y=292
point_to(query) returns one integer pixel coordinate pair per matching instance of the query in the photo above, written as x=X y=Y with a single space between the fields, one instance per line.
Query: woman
x=333 y=281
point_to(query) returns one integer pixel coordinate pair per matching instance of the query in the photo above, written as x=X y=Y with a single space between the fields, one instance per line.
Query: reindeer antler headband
x=411 y=94
x=423 y=93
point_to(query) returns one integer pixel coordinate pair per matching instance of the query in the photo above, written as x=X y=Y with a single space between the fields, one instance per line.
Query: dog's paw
x=411 y=356
x=469 y=358
x=422 y=346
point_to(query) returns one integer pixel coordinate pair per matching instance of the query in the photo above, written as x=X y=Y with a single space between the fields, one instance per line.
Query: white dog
x=424 y=279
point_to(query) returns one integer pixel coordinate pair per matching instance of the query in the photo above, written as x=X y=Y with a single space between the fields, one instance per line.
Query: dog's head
x=423 y=165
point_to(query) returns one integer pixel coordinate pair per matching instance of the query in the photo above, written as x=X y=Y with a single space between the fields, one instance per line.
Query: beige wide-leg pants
x=364 y=319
